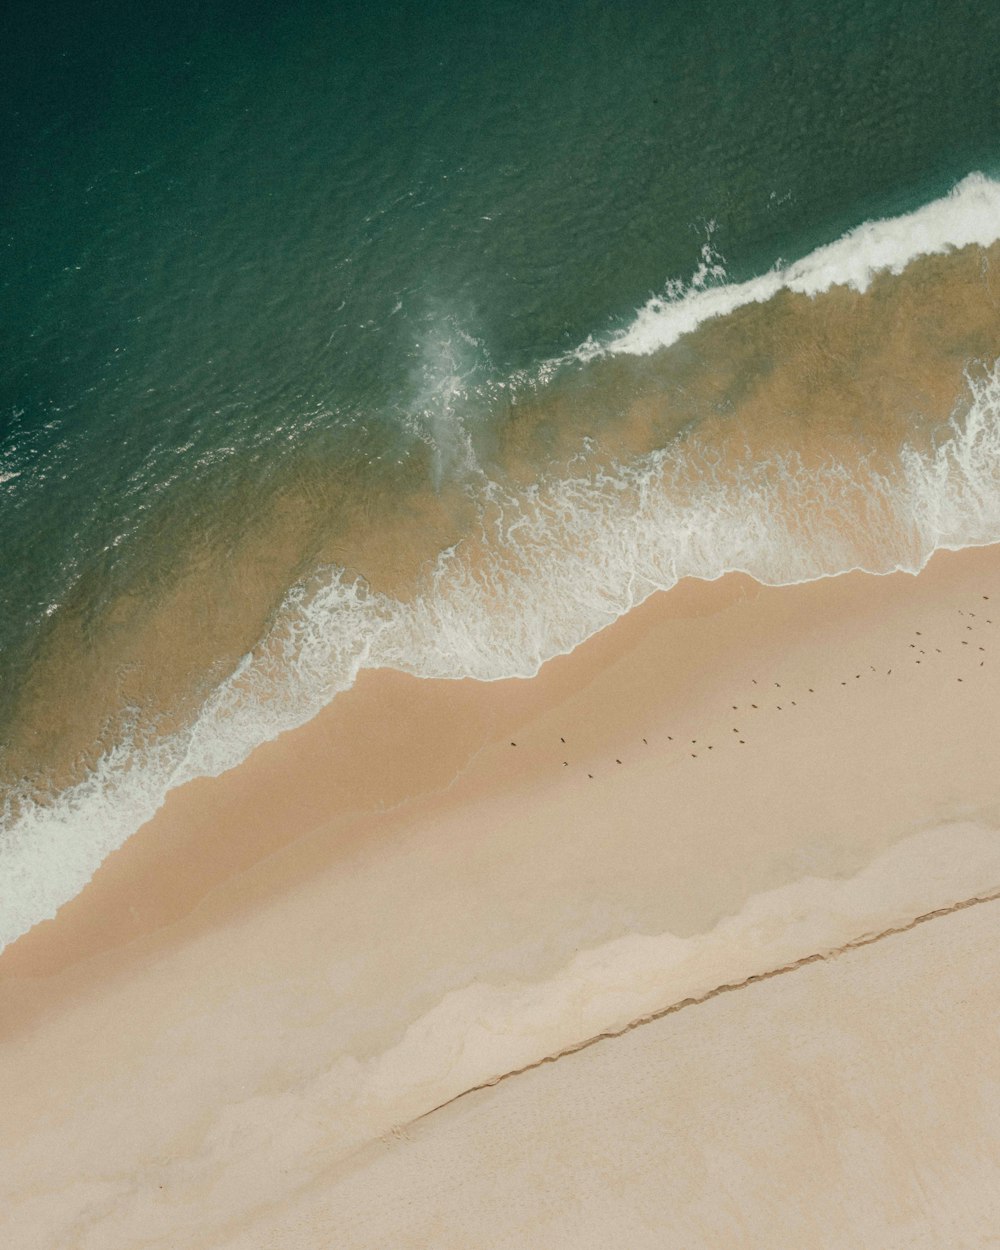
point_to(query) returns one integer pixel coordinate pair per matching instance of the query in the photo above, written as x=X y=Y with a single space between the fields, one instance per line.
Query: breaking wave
x=551 y=564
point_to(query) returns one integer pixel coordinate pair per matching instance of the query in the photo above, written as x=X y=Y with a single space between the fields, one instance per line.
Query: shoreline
x=393 y=904
x=341 y=721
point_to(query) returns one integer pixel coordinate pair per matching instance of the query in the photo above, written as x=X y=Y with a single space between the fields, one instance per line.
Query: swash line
x=695 y=1001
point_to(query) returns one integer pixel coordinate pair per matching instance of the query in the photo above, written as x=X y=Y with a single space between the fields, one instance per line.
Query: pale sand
x=850 y=1105
x=393 y=905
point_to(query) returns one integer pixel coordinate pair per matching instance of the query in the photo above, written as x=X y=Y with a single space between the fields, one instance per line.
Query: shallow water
x=439 y=337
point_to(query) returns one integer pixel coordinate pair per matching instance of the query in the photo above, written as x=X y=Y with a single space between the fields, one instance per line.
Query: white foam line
x=970 y=214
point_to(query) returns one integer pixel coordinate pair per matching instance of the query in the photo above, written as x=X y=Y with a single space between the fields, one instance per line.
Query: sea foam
x=969 y=214
x=557 y=562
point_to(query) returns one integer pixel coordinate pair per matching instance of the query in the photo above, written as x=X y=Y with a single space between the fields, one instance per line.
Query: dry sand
x=849 y=1104
x=393 y=905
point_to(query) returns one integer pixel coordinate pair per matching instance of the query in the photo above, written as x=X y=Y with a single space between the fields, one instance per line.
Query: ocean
x=439 y=336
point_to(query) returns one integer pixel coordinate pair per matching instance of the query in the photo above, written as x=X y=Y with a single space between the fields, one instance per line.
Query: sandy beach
x=500 y=627
x=261 y=1022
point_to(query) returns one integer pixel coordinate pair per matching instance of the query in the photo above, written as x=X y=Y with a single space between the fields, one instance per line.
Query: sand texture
x=849 y=1103
x=260 y=1023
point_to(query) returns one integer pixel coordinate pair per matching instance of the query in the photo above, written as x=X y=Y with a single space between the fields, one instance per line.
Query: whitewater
x=554 y=563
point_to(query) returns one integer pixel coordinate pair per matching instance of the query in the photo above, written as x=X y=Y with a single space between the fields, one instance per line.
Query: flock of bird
x=973 y=623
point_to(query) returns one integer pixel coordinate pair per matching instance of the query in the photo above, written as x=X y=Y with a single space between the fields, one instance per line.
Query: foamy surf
x=554 y=563
x=969 y=215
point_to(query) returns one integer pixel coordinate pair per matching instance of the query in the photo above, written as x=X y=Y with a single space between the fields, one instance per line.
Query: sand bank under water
x=221 y=1041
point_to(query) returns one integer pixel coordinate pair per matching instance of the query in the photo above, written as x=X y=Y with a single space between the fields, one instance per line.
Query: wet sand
x=436 y=884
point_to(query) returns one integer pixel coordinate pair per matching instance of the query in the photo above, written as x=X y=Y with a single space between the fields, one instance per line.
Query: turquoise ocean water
x=325 y=327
